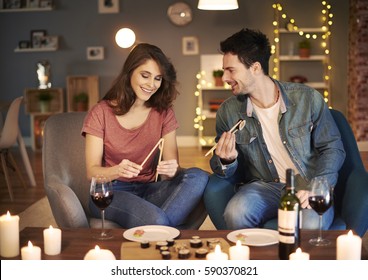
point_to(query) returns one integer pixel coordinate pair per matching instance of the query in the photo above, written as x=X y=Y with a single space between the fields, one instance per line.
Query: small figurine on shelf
x=304 y=48
x=81 y=101
x=217 y=75
x=45 y=98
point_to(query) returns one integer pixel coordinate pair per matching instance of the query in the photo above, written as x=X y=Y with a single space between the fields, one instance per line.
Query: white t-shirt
x=268 y=118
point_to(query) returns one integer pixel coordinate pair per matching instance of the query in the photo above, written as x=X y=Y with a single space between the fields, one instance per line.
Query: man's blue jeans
x=257 y=202
x=165 y=202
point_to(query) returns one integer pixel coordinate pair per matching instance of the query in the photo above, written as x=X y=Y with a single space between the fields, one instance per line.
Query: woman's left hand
x=168 y=167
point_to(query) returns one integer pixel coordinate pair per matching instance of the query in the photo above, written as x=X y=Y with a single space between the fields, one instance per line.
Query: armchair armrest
x=355 y=202
x=65 y=205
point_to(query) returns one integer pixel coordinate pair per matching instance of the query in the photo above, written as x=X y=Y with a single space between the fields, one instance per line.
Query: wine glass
x=101 y=193
x=320 y=199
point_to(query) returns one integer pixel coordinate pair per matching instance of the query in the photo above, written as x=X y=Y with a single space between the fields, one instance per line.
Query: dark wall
x=79 y=25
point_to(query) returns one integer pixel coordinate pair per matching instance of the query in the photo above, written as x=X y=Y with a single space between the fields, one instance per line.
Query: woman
x=123 y=128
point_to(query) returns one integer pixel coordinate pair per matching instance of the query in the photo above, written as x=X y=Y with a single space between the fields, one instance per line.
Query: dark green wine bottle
x=288 y=219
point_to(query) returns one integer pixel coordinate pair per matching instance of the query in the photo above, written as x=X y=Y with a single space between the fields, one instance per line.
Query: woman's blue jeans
x=257 y=202
x=167 y=202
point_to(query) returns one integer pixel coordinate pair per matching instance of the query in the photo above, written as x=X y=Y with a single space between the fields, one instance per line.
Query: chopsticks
x=154 y=148
x=238 y=126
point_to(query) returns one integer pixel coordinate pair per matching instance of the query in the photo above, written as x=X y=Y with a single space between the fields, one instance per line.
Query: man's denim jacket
x=306 y=128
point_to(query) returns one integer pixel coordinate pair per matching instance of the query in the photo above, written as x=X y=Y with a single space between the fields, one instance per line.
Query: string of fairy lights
x=290 y=24
x=281 y=17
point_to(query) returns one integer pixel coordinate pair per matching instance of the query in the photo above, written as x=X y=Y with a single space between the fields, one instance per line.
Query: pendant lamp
x=218 y=4
x=125 y=38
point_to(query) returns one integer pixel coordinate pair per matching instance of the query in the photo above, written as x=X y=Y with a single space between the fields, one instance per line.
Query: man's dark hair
x=250 y=46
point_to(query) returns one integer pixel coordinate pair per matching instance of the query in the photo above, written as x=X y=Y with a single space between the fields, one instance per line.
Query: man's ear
x=256 y=68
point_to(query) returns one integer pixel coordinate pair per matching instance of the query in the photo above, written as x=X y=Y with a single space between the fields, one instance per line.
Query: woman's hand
x=128 y=169
x=303 y=198
x=168 y=167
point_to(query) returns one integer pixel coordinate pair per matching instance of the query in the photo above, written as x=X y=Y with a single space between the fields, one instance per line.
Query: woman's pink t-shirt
x=132 y=144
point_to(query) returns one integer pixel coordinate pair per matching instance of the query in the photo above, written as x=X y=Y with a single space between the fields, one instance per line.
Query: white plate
x=254 y=236
x=151 y=233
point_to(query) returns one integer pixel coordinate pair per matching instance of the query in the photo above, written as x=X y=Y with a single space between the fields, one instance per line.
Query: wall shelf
x=46 y=9
x=27 y=50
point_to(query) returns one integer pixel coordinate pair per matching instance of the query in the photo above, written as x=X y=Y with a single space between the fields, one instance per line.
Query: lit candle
x=348 y=247
x=239 y=252
x=31 y=252
x=9 y=235
x=217 y=254
x=99 y=254
x=52 y=241
x=299 y=255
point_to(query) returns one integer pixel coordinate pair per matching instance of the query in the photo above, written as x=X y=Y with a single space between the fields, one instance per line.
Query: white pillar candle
x=239 y=252
x=299 y=255
x=31 y=252
x=217 y=254
x=52 y=241
x=9 y=235
x=99 y=254
x=348 y=247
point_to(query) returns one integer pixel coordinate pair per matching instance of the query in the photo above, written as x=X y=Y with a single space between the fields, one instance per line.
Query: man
x=288 y=125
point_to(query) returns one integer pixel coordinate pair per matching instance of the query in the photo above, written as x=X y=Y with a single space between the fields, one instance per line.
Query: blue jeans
x=167 y=202
x=257 y=202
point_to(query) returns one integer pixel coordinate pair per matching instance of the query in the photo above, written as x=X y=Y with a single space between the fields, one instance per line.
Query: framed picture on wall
x=190 y=46
x=33 y=3
x=50 y=42
x=36 y=38
x=45 y=3
x=108 y=6
x=95 y=53
x=11 y=4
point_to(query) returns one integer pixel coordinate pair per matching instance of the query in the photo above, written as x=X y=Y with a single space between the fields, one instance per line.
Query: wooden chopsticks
x=160 y=145
x=238 y=126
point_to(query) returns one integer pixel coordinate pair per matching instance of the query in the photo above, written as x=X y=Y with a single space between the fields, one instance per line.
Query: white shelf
x=317 y=85
x=47 y=9
x=35 y=50
x=209 y=114
x=216 y=88
x=298 y=58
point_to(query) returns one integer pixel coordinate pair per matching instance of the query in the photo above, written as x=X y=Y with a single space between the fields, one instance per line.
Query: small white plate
x=151 y=233
x=254 y=236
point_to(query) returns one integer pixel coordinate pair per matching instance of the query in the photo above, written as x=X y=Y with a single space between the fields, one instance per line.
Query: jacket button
x=276 y=180
x=270 y=161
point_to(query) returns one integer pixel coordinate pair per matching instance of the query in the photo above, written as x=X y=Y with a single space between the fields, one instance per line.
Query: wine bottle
x=288 y=219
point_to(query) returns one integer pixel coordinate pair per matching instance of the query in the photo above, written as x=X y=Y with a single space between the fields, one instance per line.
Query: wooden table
x=77 y=242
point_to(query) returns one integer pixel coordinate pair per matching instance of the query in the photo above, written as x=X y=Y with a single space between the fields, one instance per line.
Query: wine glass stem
x=320 y=228
x=103 y=222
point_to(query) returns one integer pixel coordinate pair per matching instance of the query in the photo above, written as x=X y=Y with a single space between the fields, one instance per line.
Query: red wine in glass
x=320 y=199
x=101 y=193
x=319 y=203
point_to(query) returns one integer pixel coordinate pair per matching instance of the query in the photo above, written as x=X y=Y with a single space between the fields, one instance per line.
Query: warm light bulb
x=125 y=38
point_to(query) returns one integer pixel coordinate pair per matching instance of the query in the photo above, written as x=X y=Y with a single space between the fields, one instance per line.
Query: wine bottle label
x=287 y=221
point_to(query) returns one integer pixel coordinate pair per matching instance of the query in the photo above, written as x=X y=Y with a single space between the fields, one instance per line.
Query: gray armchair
x=64 y=172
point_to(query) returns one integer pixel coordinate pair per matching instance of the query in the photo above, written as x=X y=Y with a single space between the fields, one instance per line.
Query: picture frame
x=36 y=38
x=108 y=6
x=50 y=42
x=95 y=53
x=24 y=44
x=190 y=45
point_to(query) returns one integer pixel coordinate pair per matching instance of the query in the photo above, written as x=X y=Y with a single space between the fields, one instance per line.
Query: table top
x=77 y=242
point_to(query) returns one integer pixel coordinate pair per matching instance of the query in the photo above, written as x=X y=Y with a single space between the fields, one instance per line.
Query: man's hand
x=225 y=149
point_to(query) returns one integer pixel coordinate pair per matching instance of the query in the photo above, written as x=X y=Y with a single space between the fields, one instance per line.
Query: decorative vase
x=81 y=106
x=304 y=53
x=219 y=82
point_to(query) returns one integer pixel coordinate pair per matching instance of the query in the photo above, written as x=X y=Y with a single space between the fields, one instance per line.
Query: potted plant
x=217 y=75
x=81 y=101
x=304 y=48
x=45 y=98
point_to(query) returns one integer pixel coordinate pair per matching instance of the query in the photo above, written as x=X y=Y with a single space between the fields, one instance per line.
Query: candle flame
x=8 y=215
x=238 y=243
x=50 y=227
x=217 y=249
x=298 y=251
x=97 y=248
x=350 y=233
x=30 y=245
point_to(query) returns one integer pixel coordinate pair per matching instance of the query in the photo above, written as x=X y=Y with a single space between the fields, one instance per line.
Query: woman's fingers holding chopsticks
x=168 y=167
x=128 y=169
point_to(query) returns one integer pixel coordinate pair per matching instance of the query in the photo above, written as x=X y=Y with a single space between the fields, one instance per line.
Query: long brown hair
x=122 y=92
